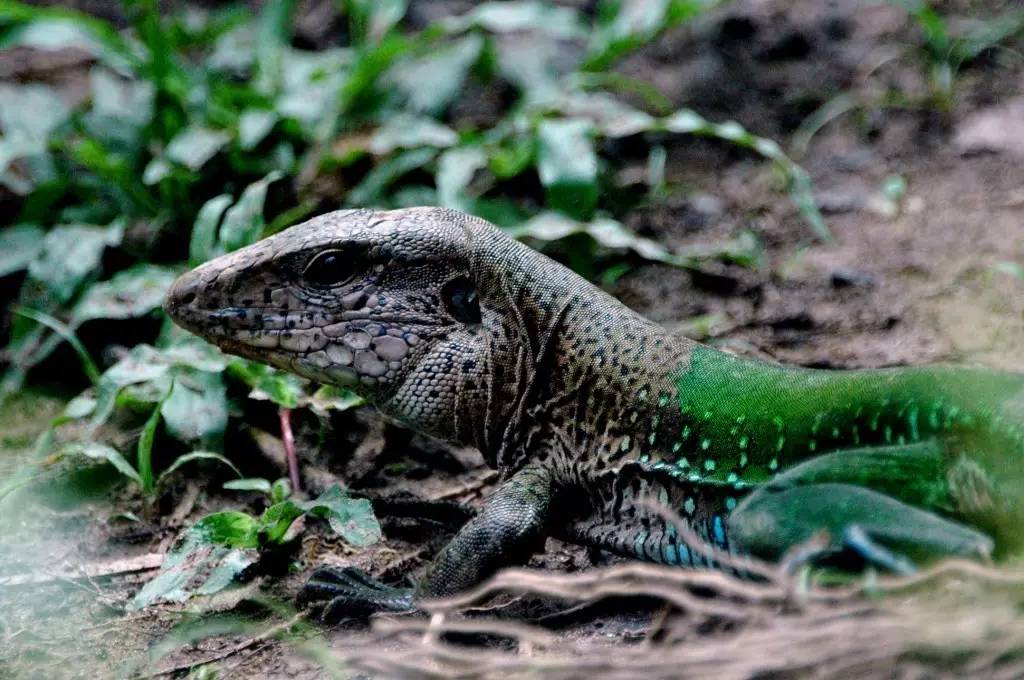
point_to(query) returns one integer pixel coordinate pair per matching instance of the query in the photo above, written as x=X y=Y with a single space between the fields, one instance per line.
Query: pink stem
x=289 y=447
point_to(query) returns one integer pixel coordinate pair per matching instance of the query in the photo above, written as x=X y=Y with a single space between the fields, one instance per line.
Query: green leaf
x=130 y=293
x=516 y=17
x=277 y=519
x=230 y=529
x=370 y=191
x=54 y=28
x=221 y=542
x=799 y=182
x=351 y=518
x=195 y=145
x=611 y=117
x=567 y=164
x=97 y=451
x=65 y=332
x=455 y=170
x=280 y=490
x=19 y=245
x=284 y=389
x=405 y=131
x=253 y=127
x=202 y=245
x=144 y=449
x=243 y=223
x=249 y=484
x=70 y=254
x=121 y=100
x=332 y=398
x=29 y=114
x=196 y=455
x=197 y=408
x=430 y=83
x=373 y=19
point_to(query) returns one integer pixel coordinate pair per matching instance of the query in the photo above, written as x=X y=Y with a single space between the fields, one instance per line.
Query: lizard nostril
x=188 y=298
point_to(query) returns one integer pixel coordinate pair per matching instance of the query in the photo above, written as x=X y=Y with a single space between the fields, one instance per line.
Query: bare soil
x=920 y=279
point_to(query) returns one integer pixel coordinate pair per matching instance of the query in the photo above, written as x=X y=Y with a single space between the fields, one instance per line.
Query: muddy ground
x=926 y=277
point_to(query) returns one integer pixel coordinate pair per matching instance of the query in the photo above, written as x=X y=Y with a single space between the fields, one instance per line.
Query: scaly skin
x=590 y=411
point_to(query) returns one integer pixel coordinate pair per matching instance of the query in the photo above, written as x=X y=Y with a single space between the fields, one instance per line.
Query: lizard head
x=383 y=303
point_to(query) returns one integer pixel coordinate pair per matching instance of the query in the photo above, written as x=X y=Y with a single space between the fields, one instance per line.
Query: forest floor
x=926 y=274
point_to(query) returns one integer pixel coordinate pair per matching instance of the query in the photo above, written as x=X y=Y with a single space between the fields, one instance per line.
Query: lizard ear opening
x=461 y=301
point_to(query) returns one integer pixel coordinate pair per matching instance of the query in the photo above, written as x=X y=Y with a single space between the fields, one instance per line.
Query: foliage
x=204 y=131
x=223 y=547
x=946 y=52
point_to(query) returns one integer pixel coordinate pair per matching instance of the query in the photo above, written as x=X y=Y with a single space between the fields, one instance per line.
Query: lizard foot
x=334 y=594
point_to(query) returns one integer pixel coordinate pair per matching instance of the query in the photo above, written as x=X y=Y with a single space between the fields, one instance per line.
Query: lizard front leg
x=509 y=528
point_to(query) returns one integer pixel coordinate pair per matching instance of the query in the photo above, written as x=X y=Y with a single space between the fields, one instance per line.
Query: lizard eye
x=460 y=300
x=329 y=268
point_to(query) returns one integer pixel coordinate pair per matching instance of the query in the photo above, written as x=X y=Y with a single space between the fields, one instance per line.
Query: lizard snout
x=182 y=296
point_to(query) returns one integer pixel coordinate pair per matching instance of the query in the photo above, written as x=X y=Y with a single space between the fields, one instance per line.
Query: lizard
x=591 y=412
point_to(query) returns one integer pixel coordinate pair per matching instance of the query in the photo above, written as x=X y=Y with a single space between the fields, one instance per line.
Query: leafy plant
x=223 y=547
x=946 y=52
x=203 y=133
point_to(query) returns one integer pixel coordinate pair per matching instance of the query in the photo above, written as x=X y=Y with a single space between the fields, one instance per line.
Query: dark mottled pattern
x=587 y=408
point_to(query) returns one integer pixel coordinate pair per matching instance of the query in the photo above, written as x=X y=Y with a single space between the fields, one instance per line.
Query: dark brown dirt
x=921 y=279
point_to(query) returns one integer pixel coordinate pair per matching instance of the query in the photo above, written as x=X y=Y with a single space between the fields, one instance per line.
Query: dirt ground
x=923 y=278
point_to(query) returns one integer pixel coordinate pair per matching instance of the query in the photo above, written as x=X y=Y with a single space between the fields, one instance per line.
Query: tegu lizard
x=591 y=412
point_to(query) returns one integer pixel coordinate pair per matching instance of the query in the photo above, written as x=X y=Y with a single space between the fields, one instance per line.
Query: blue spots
x=718 y=526
x=684 y=554
x=669 y=554
x=638 y=544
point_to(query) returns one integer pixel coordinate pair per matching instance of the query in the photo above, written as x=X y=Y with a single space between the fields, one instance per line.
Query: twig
x=131 y=565
x=241 y=646
x=289 y=448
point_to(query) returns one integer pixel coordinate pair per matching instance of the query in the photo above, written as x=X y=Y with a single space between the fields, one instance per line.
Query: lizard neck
x=570 y=368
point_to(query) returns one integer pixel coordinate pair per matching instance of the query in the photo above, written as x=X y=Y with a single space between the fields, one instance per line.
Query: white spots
x=689 y=506
x=773 y=464
x=626 y=441
x=744 y=442
x=730 y=503
x=710 y=465
x=705 y=444
x=357 y=339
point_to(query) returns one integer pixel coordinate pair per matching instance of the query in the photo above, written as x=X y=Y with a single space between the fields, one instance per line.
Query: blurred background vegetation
x=141 y=138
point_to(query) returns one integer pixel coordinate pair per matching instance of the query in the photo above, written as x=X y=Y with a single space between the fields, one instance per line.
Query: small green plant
x=224 y=547
x=946 y=53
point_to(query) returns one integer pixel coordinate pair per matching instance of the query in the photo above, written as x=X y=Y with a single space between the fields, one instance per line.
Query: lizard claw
x=334 y=594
